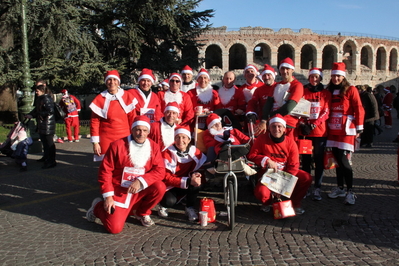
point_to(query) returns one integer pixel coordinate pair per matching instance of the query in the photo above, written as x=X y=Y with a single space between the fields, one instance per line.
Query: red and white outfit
x=346 y=117
x=72 y=118
x=126 y=160
x=249 y=89
x=259 y=98
x=162 y=133
x=231 y=99
x=149 y=106
x=111 y=118
x=191 y=85
x=286 y=155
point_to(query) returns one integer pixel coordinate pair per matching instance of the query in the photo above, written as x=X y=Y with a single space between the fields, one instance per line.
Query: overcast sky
x=378 y=17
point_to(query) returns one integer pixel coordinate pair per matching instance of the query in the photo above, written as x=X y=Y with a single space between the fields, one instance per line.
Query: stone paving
x=42 y=220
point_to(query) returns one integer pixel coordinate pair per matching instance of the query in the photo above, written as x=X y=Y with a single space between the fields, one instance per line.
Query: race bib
x=314 y=110
x=130 y=174
x=335 y=123
x=148 y=112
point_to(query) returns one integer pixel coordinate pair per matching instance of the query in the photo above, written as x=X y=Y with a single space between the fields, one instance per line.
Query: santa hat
x=165 y=82
x=387 y=89
x=175 y=75
x=287 y=62
x=203 y=72
x=146 y=74
x=268 y=70
x=212 y=119
x=64 y=92
x=112 y=74
x=317 y=71
x=141 y=120
x=278 y=119
x=253 y=67
x=338 y=68
x=183 y=130
x=172 y=106
x=186 y=69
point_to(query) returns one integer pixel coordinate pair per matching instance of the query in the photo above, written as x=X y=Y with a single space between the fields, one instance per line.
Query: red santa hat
x=112 y=74
x=317 y=71
x=141 y=120
x=253 y=67
x=186 y=69
x=287 y=62
x=64 y=91
x=183 y=130
x=203 y=72
x=268 y=70
x=338 y=68
x=277 y=119
x=146 y=74
x=212 y=119
x=175 y=75
x=387 y=89
x=172 y=106
x=165 y=82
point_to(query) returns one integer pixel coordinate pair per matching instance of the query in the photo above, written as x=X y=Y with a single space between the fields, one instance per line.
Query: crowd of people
x=149 y=159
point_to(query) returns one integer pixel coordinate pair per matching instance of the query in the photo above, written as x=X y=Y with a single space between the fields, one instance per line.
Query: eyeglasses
x=174 y=80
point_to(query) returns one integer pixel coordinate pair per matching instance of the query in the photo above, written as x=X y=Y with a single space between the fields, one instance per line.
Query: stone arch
x=329 y=56
x=349 y=51
x=237 y=56
x=393 y=59
x=262 y=53
x=308 y=56
x=213 y=56
x=366 y=56
x=285 y=50
x=381 y=58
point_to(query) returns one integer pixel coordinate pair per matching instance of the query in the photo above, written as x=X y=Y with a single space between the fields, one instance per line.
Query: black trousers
x=48 y=148
x=173 y=195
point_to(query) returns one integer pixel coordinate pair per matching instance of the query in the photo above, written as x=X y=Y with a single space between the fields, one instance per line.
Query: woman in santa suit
x=345 y=124
x=112 y=114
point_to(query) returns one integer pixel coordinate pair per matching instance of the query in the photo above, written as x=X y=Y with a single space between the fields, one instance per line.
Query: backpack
x=69 y=103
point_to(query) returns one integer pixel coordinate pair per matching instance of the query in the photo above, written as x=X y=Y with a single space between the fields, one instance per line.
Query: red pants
x=388 y=118
x=69 y=123
x=142 y=202
x=263 y=194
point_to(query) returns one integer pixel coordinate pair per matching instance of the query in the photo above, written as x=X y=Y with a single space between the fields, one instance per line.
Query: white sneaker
x=192 y=214
x=76 y=140
x=145 y=220
x=90 y=213
x=162 y=211
x=350 y=198
x=337 y=192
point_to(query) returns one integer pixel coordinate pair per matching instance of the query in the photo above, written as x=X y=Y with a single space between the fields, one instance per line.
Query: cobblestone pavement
x=42 y=220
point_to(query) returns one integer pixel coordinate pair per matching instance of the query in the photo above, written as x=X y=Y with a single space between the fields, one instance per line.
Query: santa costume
x=112 y=115
x=71 y=114
x=127 y=161
x=189 y=85
x=249 y=89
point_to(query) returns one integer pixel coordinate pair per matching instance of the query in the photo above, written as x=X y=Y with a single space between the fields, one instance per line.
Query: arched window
x=237 y=57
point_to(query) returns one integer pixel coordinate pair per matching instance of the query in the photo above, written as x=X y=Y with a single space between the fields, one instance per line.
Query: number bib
x=130 y=174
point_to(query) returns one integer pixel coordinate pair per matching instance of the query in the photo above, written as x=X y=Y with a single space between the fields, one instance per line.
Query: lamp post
x=27 y=83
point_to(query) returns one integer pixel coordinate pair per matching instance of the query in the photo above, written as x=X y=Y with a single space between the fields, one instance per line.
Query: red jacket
x=185 y=106
x=249 y=89
x=236 y=138
x=231 y=99
x=145 y=103
x=259 y=98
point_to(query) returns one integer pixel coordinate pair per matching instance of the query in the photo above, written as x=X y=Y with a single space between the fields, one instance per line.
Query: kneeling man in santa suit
x=277 y=151
x=130 y=178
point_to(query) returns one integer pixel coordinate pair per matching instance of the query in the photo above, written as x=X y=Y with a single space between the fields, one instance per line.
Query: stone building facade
x=369 y=61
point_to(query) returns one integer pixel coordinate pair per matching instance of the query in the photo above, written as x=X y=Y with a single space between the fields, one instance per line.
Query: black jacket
x=44 y=114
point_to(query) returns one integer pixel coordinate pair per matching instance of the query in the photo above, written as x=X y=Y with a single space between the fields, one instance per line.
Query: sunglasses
x=175 y=80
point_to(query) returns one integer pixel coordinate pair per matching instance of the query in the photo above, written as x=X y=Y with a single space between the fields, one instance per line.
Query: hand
x=251 y=118
x=29 y=116
x=305 y=129
x=272 y=164
x=97 y=149
x=109 y=203
x=195 y=179
x=260 y=128
x=134 y=187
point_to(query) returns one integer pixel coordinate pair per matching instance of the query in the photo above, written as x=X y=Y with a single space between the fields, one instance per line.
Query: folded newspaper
x=279 y=182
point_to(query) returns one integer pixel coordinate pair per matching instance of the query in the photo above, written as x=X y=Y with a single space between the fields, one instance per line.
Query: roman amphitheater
x=371 y=61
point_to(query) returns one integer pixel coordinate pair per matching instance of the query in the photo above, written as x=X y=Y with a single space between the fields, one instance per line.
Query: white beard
x=205 y=95
x=173 y=97
x=168 y=134
x=215 y=132
x=248 y=94
x=225 y=95
x=139 y=153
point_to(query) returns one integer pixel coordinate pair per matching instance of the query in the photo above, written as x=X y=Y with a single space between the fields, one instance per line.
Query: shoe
x=41 y=160
x=317 y=194
x=337 y=192
x=388 y=126
x=299 y=211
x=265 y=208
x=68 y=140
x=90 y=213
x=145 y=220
x=23 y=169
x=162 y=211
x=49 y=165
x=60 y=141
x=350 y=198
x=76 y=140
x=191 y=213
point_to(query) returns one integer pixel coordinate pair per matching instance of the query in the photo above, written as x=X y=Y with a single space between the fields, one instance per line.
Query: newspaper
x=302 y=109
x=279 y=182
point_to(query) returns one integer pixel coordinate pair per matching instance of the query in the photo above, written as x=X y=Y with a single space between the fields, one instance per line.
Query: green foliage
x=73 y=42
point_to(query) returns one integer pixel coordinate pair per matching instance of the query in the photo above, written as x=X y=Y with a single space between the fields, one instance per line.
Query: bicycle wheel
x=230 y=204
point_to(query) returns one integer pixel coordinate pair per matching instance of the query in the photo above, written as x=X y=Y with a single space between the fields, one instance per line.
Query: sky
x=363 y=17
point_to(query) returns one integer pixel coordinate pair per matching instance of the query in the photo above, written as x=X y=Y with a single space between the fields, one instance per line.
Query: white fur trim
x=172 y=108
x=186 y=71
x=225 y=94
x=287 y=66
x=95 y=138
x=141 y=123
x=183 y=131
x=316 y=71
x=213 y=122
x=139 y=153
x=112 y=76
x=167 y=133
x=278 y=120
x=202 y=73
x=173 y=97
x=338 y=72
x=145 y=76
x=270 y=72
x=264 y=161
x=205 y=95
x=253 y=67
x=183 y=182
